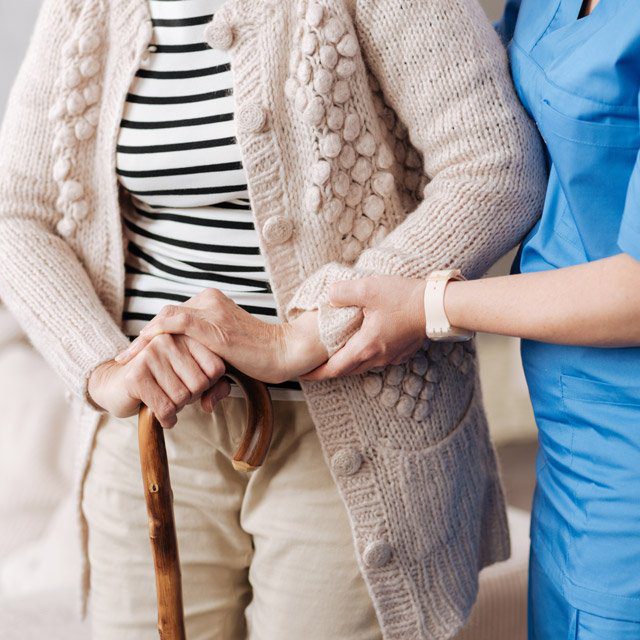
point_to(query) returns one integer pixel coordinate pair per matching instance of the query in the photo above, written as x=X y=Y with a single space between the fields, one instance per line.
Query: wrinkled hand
x=393 y=328
x=170 y=373
x=269 y=352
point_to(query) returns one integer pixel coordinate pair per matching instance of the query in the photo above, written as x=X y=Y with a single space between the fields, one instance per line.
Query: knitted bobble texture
x=351 y=169
x=75 y=119
x=410 y=387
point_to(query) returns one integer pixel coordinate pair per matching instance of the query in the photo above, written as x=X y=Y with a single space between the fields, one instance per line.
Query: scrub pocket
x=552 y=617
x=591 y=163
x=616 y=135
x=591 y=627
x=603 y=471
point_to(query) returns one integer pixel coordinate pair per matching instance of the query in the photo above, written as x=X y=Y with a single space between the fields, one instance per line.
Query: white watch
x=438 y=327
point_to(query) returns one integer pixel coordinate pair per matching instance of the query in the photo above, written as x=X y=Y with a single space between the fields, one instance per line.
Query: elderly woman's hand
x=269 y=352
x=170 y=373
x=393 y=328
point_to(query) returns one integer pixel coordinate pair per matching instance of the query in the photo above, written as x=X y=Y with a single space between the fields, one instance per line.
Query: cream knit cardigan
x=379 y=136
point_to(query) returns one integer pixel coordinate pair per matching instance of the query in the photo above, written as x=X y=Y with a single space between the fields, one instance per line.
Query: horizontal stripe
x=181 y=22
x=185 y=192
x=172 y=124
x=164 y=295
x=195 y=134
x=182 y=171
x=218 y=248
x=203 y=222
x=196 y=275
x=181 y=75
x=197 y=97
x=181 y=48
x=185 y=146
x=217 y=267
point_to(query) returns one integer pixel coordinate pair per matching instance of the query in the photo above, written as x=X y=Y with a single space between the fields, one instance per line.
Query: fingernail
x=122 y=355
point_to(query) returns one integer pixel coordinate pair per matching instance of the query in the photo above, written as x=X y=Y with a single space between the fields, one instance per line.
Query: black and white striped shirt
x=191 y=225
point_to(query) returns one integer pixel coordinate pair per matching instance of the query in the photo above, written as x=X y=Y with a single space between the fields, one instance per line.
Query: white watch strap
x=438 y=327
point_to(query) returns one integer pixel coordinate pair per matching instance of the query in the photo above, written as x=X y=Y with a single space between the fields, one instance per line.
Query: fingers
x=210 y=363
x=212 y=396
x=172 y=319
x=163 y=357
x=353 y=356
x=144 y=386
x=167 y=377
x=136 y=346
x=350 y=293
x=186 y=367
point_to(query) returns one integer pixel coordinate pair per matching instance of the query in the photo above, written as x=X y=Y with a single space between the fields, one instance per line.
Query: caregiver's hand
x=269 y=352
x=393 y=328
x=172 y=372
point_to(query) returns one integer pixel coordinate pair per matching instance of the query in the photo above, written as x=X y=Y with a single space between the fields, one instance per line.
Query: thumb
x=349 y=293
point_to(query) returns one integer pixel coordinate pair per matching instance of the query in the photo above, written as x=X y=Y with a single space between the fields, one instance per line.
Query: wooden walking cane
x=157 y=487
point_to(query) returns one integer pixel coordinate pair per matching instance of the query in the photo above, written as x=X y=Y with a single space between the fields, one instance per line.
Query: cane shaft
x=162 y=528
x=251 y=453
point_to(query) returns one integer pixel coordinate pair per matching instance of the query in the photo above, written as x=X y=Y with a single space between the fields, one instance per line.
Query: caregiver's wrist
x=456 y=310
x=416 y=316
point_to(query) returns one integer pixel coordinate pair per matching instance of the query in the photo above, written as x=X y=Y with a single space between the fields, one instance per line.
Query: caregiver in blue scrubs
x=576 y=304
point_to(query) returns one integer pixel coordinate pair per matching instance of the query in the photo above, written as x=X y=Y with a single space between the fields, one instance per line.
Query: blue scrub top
x=580 y=81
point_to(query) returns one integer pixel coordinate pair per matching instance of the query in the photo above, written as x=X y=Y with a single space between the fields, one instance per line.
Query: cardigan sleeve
x=42 y=281
x=443 y=70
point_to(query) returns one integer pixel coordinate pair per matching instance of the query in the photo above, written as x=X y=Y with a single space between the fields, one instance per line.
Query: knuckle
x=382 y=350
x=151 y=354
x=368 y=353
x=135 y=373
x=130 y=377
x=182 y=396
x=168 y=310
x=165 y=410
x=217 y=369
x=162 y=341
x=200 y=384
x=212 y=294
x=181 y=319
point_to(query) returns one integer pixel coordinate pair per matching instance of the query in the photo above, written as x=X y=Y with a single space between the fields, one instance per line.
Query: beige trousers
x=265 y=556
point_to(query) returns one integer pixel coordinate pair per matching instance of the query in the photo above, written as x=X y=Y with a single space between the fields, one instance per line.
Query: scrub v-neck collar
x=563 y=31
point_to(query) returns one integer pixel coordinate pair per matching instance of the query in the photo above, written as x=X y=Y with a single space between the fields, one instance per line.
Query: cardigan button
x=251 y=118
x=346 y=462
x=377 y=554
x=277 y=230
x=65 y=227
x=218 y=34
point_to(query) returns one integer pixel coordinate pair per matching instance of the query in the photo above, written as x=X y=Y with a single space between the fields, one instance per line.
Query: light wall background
x=493 y=8
x=503 y=383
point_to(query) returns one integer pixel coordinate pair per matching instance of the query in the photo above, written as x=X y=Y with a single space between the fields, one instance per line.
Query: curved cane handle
x=256 y=438
x=159 y=497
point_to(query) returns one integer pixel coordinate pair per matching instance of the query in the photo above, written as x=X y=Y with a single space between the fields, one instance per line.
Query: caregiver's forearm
x=595 y=304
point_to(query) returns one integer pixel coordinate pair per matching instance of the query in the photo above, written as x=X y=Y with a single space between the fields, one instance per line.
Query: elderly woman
x=237 y=158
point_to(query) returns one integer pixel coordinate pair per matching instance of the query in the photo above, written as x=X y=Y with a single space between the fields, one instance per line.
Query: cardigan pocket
x=445 y=486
